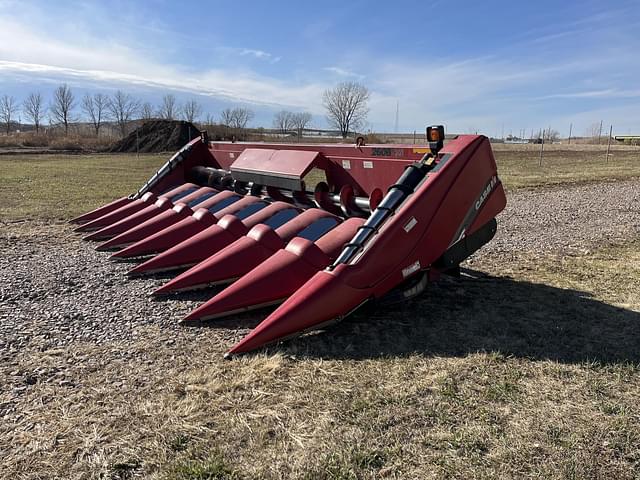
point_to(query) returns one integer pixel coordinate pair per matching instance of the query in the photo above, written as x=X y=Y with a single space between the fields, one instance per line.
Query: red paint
x=99 y=212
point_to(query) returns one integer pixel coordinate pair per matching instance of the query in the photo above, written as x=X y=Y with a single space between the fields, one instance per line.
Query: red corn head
x=130 y=208
x=279 y=276
x=208 y=241
x=155 y=224
x=207 y=214
x=323 y=299
x=162 y=204
x=116 y=215
x=242 y=255
x=440 y=206
x=101 y=211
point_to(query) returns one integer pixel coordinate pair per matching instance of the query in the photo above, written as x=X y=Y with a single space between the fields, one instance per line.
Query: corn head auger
x=318 y=229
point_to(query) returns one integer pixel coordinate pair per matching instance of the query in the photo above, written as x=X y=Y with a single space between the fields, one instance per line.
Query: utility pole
x=541 y=148
x=600 y=133
x=609 y=143
x=570 y=130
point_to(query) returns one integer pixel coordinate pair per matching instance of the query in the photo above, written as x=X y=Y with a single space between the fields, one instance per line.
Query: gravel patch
x=56 y=290
x=567 y=219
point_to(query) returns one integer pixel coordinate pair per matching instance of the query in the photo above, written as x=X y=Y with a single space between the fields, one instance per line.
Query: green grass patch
x=351 y=464
x=214 y=467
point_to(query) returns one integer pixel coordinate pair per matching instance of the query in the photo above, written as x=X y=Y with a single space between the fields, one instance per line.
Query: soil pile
x=157 y=136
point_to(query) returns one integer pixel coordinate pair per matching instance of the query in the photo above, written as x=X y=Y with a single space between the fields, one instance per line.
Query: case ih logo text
x=486 y=192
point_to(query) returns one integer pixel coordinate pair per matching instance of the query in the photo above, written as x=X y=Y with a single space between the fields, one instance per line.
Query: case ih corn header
x=319 y=229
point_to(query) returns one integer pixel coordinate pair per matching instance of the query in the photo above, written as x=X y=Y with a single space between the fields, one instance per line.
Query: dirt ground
x=527 y=366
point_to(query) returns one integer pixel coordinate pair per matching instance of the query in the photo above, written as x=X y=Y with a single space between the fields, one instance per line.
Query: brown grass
x=519 y=165
x=63 y=186
x=56 y=141
x=533 y=373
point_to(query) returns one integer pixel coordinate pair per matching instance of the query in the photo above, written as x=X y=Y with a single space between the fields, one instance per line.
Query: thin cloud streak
x=608 y=93
x=234 y=88
x=342 y=72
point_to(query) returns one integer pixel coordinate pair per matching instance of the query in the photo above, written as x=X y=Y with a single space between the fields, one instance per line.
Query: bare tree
x=300 y=121
x=95 y=108
x=62 y=106
x=209 y=119
x=552 y=135
x=169 y=108
x=346 y=106
x=236 y=118
x=283 y=121
x=192 y=111
x=226 y=117
x=34 y=109
x=8 y=109
x=146 y=111
x=241 y=117
x=122 y=108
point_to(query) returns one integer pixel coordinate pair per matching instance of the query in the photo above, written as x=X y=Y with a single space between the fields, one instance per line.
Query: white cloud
x=480 y=93
x=342 y=72
x=606 y=93
x=255 y=53
x=238 y=87
x=25 y=50
x=231 y=52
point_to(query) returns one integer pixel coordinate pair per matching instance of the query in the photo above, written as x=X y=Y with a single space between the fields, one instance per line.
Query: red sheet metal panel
x=275 y=168
x=365 y=168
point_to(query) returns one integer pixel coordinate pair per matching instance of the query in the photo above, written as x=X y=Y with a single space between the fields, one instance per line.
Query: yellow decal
x=421 y=150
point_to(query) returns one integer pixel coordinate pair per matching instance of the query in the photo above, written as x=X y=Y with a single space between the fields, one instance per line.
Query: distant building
x=628 y=138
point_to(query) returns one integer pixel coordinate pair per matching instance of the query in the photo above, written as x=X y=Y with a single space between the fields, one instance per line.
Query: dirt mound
x=157 y=136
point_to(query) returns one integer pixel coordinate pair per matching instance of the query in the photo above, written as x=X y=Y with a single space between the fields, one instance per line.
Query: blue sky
x=474 y=66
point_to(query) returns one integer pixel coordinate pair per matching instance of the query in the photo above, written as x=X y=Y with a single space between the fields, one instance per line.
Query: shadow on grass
x=456 y=317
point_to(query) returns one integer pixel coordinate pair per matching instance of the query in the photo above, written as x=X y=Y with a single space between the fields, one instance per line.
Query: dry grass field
x=526 y=367
x=62 y=186
x=519 y=165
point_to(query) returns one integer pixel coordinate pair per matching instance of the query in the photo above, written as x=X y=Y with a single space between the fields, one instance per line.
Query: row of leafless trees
x=346 y=106
x=120 y=108
x=285 y=121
